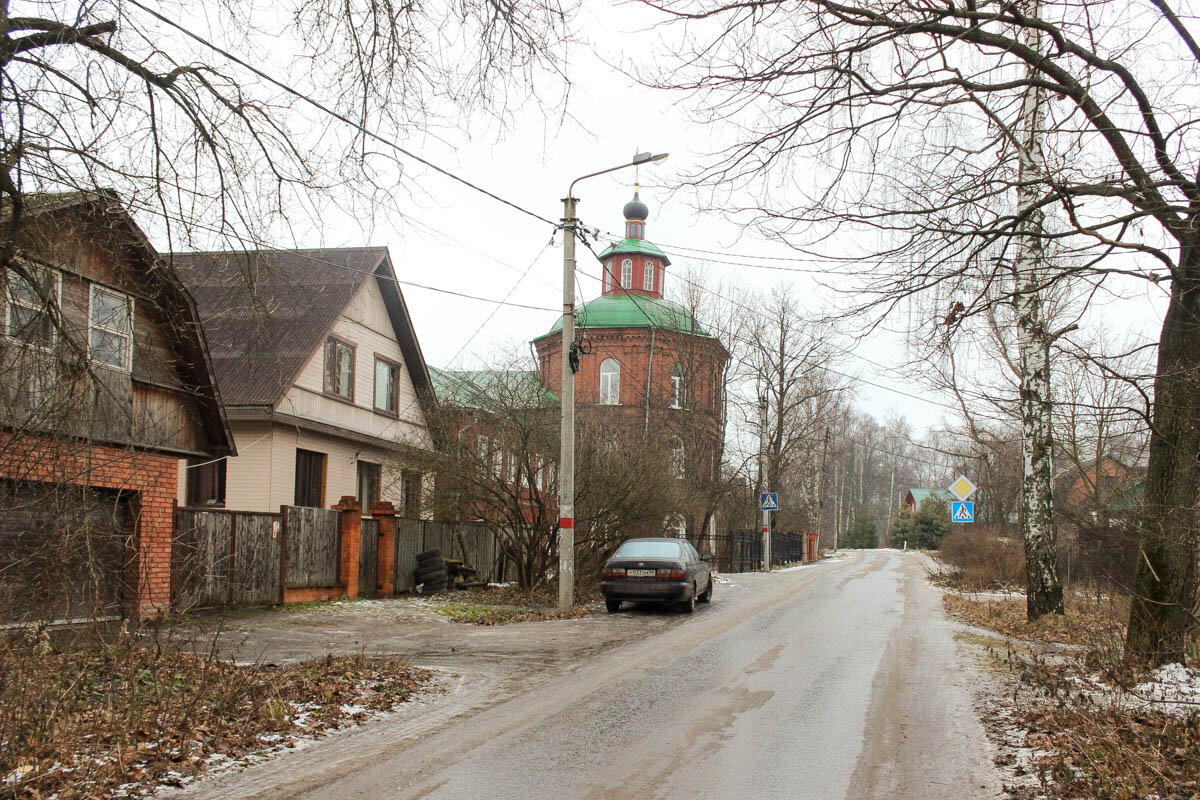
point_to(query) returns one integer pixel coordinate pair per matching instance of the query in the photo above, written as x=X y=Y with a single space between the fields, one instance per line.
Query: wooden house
x=321 y=374
x=105 y=383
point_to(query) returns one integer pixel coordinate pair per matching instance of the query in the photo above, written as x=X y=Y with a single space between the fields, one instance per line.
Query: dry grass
x=1088 y=740
x=81 y=721
x=1088 y=621
x=501 y=605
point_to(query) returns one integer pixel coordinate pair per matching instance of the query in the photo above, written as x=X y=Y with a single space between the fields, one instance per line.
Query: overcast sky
x=448 y=236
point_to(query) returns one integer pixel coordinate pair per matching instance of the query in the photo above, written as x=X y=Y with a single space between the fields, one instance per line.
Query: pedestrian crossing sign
x=768 y=501
x=962 y=511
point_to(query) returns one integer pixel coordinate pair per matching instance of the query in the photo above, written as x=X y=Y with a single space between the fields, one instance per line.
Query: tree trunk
x=1164 y=587
x=1043 y=591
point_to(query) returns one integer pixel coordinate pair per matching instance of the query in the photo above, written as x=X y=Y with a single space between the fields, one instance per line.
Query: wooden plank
x=258 y=551
x=368 y=558
x=410 y=538
x=314 y=546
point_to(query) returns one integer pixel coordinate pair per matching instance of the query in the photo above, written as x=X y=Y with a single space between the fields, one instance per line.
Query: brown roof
x=265 y=312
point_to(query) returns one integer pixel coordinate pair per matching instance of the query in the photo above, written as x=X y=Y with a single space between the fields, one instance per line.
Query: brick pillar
x=350 y=524
x=385 y=514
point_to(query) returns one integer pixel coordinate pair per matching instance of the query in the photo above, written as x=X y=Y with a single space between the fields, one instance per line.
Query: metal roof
x=473 y=388
x=636 y=246
x=633 y=311
x=919 y=495
x=265 y=312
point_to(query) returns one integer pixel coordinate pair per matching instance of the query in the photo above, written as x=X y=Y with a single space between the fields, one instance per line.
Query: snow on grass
x=1174 y=689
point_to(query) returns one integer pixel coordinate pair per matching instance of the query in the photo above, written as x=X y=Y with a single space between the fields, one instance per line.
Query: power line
x=336 y=115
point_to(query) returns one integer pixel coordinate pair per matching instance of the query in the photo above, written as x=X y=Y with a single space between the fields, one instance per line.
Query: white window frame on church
x=608 y=278
x=648 y=277
x=627 y=274
x=677 y=390
x=610 y=382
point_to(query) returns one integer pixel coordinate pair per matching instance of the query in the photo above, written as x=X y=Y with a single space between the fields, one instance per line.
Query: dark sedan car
x=657 y=571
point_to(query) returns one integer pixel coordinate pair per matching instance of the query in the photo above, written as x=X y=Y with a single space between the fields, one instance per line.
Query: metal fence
x=741 y=551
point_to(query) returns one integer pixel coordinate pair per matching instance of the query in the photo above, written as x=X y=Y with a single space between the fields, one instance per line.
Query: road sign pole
x=766 y=519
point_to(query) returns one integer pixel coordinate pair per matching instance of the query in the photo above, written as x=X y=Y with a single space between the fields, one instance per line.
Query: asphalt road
x=841 y=680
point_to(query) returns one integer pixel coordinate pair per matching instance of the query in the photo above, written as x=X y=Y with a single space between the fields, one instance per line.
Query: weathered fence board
x=201 y=558
x=257 y=549
x=313 y=548
x=368 y=558
x=473 y=542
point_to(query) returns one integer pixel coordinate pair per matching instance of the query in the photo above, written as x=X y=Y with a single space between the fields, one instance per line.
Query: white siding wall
x=263 y=475
x=366 y=325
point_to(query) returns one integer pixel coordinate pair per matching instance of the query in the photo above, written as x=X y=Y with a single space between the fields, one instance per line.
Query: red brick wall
x=613 y=265
x=152 y=476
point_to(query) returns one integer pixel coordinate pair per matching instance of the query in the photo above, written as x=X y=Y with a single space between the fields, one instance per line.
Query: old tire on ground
x=689 y=605
x=429 y=554
x=707 y=596
x=425 y=575
x=613 y=606
x=431 y=563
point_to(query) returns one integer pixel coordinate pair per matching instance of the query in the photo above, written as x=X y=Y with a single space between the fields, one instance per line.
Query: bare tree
x=909 y=118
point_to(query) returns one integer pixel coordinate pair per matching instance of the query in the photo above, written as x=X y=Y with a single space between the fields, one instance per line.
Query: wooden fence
x=313 y=547
x=225 y=558
x=473 y=542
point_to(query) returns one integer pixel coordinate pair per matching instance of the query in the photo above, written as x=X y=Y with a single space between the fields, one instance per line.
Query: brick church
x=651 y=366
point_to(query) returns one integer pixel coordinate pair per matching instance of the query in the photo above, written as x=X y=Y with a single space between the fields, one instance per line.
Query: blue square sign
x=768 y=501
x=962 y=512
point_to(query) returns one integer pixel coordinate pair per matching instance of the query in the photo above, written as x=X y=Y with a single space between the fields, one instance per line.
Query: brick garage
x=147 y=483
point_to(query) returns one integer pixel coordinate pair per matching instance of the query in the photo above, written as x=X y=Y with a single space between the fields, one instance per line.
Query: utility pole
x=570 y=363
x=821 y=484
x=763 y=479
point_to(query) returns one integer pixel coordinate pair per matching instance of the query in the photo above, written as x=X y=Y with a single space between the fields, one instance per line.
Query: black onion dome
x=636 y=209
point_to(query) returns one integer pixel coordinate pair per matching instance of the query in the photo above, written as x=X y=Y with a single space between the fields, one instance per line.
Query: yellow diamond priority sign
x=962 y=488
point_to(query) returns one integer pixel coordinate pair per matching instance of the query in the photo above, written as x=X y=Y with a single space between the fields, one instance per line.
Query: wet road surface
x=840 y=680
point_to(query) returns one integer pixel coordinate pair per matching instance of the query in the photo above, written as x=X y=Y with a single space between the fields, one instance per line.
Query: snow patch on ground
x=1174 y=689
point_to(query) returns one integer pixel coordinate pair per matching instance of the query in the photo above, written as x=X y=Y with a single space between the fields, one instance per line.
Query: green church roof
x=637 y=246
x=479 y=389
x=632 y=311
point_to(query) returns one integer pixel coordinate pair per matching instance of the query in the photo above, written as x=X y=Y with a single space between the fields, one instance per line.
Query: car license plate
x=640 y=573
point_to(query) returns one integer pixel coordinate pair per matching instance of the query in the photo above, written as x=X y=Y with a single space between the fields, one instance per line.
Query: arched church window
x=610 y=382
x=627 y=274
x=608 y=278
x=677 y=526
x=677 y=391
x=675 y=446
x=648 y=277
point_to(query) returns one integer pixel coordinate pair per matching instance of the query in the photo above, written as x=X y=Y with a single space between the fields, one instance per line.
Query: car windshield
x=649 y=550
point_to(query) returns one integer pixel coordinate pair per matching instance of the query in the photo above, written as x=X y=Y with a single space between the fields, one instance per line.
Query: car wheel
x=689 y=605
x=613 y=606
x=707 y=596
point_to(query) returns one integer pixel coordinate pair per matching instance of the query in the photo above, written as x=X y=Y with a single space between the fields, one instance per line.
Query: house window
x=648 y=277
x=368 y=485
x=411 y=481
x=539 y=473
x=610 y=382
x=387 y=386
x=608 y=277
x=110 y=334
x=627 y=273
x=339 y=368
x=206 y=483
x=497 y=461
x=31 y=307
x=310 y=479
x=677 y=397
x=675 y=446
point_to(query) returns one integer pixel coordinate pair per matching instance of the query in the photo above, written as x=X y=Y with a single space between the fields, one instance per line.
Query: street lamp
x=566 y=468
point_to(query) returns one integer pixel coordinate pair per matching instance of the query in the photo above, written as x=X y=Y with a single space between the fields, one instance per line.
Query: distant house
x=105 y=383
x=1098 y=488
x=914 y=497
x=321 y=374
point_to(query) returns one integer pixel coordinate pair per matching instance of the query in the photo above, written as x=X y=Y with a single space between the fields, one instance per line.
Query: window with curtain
x=610 y=382
x=339 y=368
x=648 y=277
x=675 y=445
x=627 y=274
x=677 y=392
